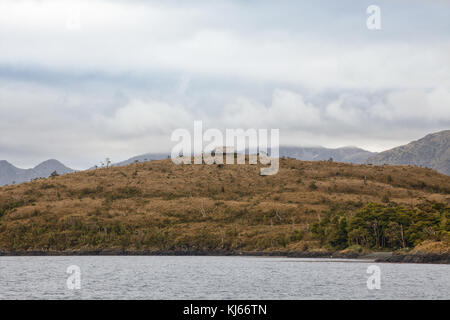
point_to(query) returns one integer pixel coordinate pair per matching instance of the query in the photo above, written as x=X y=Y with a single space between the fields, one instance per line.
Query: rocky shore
x=417 y=258
x=375 y=256
x=122 y=252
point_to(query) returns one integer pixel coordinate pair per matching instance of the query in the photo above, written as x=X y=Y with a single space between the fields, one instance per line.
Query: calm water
x=217 y=278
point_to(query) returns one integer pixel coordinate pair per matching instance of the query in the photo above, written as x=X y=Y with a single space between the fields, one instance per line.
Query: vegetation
x=157 y=205
x=379 y=226
x=54 y=174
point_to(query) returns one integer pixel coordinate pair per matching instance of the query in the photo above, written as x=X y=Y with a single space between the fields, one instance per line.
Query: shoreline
x=380 y=257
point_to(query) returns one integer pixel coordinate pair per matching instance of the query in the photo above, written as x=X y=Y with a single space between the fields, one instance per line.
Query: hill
x=432 y=151
x=161 y=207
x=10 y=174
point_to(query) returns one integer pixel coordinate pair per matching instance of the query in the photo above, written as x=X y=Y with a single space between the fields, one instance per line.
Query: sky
x=84 y=80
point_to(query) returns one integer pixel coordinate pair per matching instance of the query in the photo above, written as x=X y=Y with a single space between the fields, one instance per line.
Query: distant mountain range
x=345 y=154
x=143 y=158
x=432 y=151
x=10 y=174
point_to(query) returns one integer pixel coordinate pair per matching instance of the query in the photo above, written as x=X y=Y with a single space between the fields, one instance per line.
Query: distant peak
x=50 y=161
x=52 y=164
x=439 y=133
x=5 y=163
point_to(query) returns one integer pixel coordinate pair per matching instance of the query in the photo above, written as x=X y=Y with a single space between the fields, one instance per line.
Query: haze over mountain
x=344 y=154
x=9 y=174
x=432 y=151
x=143 y=158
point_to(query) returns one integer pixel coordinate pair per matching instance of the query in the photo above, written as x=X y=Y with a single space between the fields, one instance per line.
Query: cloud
x=139 y=118
x=135 y=70
x=419 y=106
x=287 y=109
x=81 y=128
x=143 y=38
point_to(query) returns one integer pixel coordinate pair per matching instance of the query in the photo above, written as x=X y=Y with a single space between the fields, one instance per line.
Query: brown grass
x=158 y=205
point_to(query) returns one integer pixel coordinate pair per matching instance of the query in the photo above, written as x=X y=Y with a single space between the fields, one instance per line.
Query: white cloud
x=415 y=105
x=139 y=118
x=136 y=70
x=80 y=129
x=351 y=116
x=139 y=38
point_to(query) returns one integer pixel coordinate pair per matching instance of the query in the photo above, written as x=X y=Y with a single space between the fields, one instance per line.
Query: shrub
x=313 y=186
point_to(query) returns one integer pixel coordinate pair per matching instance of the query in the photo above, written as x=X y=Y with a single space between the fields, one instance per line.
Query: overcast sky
x=85 y=80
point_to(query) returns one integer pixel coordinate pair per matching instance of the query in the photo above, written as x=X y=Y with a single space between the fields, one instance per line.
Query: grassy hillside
x=161 y=206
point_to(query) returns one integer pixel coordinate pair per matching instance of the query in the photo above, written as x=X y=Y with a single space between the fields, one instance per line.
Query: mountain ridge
x=10 y=174
x=431 y=151
x=348 y=154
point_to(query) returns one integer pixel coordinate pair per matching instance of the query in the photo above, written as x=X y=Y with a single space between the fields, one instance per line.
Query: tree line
x=379 y=226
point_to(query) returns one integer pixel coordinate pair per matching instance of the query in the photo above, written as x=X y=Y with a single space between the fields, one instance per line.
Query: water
x=155 y=277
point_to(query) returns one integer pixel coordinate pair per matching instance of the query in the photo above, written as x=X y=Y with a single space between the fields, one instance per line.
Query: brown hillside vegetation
x=160 y=206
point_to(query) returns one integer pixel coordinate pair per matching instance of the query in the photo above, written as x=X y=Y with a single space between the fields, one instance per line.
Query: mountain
x=432 y=151
x=9 y=174
x=143 y=158
x=46 y=168
x=345 y=154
